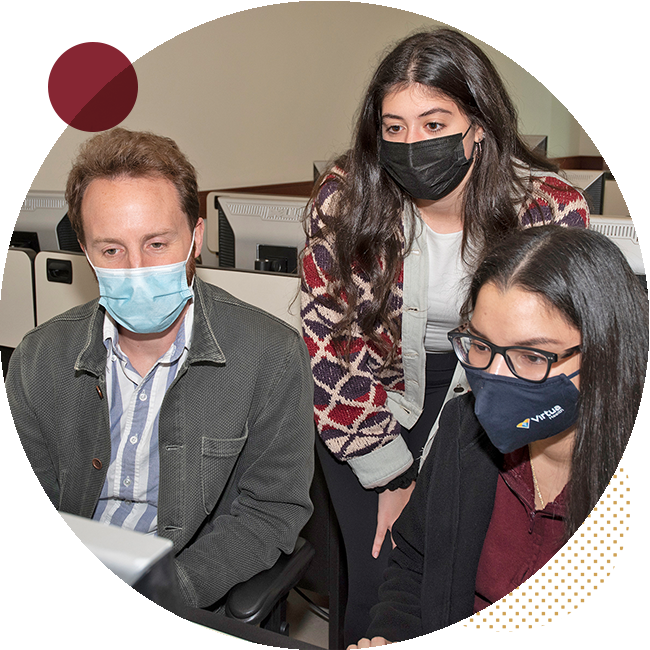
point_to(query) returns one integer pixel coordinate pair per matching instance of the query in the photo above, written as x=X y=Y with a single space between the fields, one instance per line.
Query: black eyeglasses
x=525 y=363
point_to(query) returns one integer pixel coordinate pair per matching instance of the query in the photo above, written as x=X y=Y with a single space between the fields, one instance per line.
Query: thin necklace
x=539 y=494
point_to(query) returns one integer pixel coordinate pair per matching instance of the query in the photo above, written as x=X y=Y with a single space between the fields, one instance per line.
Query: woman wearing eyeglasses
x=555 y=349
x=437 y=172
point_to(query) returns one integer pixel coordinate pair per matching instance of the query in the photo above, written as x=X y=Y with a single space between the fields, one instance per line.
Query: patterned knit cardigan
x=350 y=402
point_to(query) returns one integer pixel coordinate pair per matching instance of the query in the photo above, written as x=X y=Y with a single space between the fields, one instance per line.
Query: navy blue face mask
x=515 y=412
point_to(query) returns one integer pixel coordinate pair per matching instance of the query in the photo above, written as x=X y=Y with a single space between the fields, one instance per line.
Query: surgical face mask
x=429 y=169
x=147 y=299
x=515 y=412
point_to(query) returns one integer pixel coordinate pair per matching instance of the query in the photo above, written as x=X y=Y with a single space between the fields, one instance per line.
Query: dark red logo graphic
x=90 y=85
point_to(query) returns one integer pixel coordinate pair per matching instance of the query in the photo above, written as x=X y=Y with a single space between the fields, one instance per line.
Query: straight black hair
x=584 y=275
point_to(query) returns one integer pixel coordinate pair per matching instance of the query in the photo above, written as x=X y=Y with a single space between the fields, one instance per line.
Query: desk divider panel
x=63 y=281
x=59 y=289
x=273 y=292
x=17 y=303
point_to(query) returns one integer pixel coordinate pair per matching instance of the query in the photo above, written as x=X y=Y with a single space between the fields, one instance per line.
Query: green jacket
x=235 y=434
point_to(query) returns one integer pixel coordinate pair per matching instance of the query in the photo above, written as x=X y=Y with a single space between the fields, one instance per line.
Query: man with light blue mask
x=167 y=406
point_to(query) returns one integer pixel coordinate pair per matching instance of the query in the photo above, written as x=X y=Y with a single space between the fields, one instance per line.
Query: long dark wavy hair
x=584 y=275
x=366 y=228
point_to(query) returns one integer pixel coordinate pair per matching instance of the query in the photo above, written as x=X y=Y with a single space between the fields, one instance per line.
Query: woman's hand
x=370 y=643
x=391 y=504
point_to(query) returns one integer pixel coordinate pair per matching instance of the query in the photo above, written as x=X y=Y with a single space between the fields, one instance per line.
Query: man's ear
x=199 y=231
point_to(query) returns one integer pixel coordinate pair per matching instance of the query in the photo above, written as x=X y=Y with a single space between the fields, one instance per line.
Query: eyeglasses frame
x=551 y=357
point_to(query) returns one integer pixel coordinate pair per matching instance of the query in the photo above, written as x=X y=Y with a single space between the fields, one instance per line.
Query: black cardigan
x=430 y=580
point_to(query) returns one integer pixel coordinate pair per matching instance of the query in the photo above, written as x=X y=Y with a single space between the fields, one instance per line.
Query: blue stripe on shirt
x=129 y=497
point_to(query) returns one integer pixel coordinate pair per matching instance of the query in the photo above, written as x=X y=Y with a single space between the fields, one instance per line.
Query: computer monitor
x=43 y=224
x=256 y=232
x=536 y=143
x=319 y=167
x=622 y=232
x=68 y=582
x=627 y=198
x=592 y=184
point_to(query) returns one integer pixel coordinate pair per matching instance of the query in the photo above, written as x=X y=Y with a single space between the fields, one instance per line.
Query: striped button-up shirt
x=129 y=497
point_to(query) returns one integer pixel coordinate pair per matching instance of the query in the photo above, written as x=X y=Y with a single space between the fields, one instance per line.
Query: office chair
x=317 y=565
x=259 y=601
x=327 y=573
x=262 y=599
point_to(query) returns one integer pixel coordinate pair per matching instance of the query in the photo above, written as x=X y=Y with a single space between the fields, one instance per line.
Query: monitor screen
x=255 y=232
x=68 y=582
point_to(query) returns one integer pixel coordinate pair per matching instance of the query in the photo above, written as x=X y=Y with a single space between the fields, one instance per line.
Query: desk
x=208 y=631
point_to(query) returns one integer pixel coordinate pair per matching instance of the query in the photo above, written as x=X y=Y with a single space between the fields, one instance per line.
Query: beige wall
x=604 y=65
x=256 y=97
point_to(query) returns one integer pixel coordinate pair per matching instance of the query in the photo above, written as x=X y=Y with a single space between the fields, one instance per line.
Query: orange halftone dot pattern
x=575 y=573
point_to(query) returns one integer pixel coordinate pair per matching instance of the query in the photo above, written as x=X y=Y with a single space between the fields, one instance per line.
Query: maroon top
x=520 y=539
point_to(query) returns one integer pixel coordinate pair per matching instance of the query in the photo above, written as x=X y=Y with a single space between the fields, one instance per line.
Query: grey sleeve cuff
x=382 y=465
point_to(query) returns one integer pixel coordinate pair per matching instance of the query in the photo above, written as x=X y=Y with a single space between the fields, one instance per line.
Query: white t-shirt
x=447 y=276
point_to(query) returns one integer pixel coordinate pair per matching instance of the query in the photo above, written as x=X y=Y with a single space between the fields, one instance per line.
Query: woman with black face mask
x=437 y=173
x=555 y=345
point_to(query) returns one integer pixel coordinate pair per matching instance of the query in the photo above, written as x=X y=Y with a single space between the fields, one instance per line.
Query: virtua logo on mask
x=550 y=414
